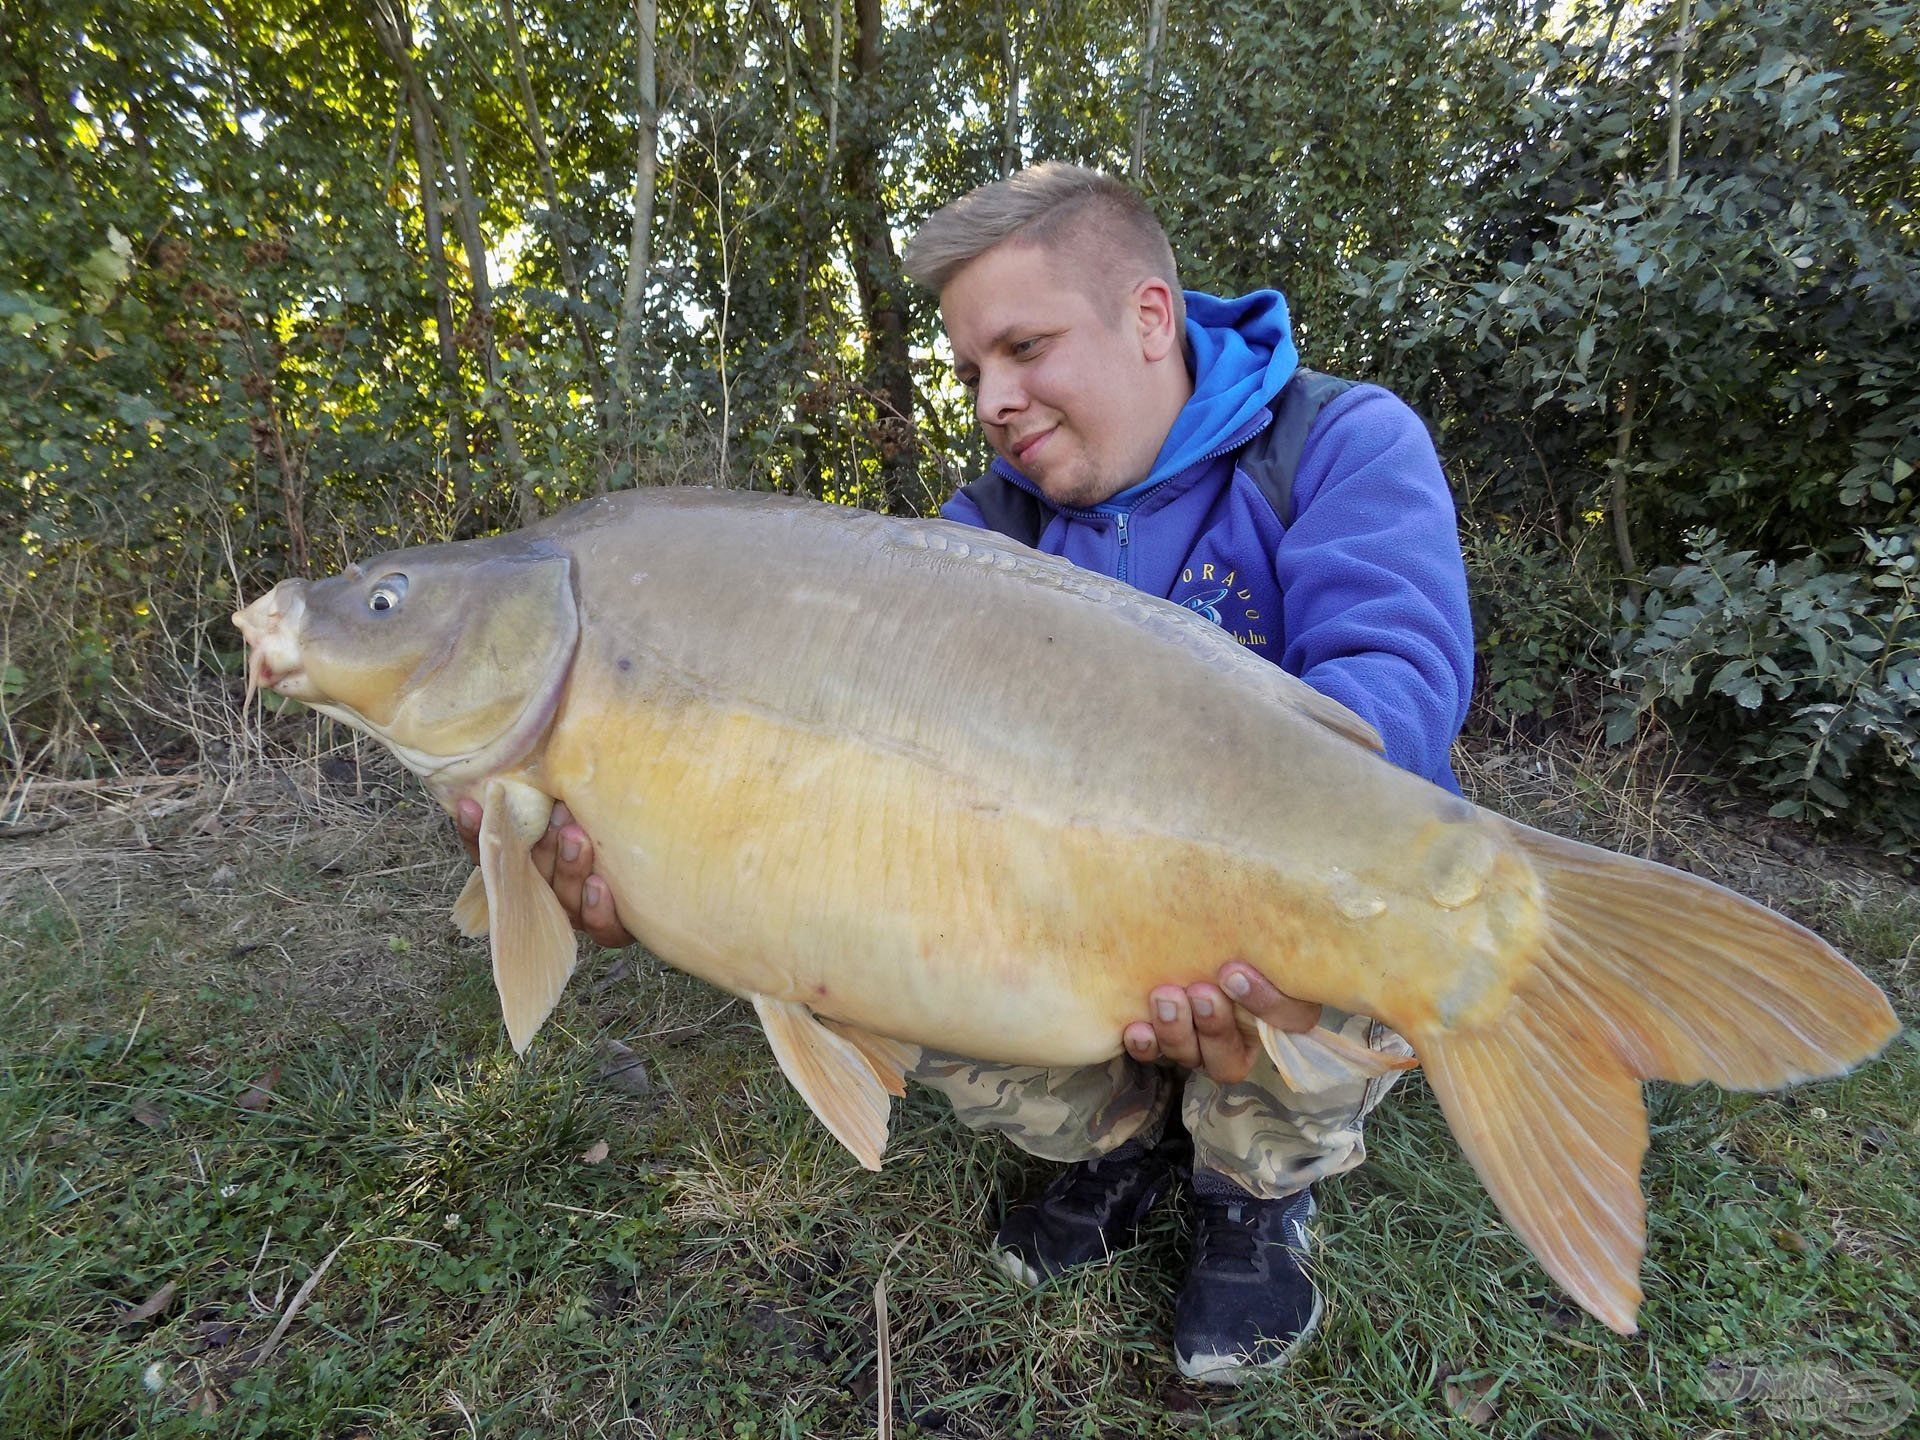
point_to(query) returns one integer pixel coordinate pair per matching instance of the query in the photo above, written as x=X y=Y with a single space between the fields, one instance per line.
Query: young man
x=1171 y=439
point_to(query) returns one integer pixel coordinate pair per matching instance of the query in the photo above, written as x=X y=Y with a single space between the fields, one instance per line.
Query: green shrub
x=1809 y=674
x=1539 y=618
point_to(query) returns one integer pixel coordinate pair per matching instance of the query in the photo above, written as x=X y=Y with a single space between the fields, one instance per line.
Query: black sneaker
x=1090 y=1210
x=1248 y=1301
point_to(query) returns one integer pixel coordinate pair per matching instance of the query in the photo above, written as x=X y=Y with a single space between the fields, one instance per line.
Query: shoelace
x=1086 y=1187
x=1232 y=1236
x=1229 y=1238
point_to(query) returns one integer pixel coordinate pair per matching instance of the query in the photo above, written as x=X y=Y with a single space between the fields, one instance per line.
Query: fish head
x=444 y=653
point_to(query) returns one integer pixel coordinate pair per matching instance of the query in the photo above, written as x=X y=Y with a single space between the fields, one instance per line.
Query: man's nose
x=999 y=398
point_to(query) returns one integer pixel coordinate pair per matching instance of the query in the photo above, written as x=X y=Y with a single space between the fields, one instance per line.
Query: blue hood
x=1242 y=353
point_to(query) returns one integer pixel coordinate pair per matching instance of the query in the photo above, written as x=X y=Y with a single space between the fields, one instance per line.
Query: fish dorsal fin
x=1320 y=1059
x=470 y=910
x=832 y=1075
x=534 y=951
x=889 y=1059
x=1173 y=623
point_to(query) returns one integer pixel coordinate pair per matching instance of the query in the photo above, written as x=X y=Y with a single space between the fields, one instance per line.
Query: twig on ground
x=295 y=1305
x=883 y=1364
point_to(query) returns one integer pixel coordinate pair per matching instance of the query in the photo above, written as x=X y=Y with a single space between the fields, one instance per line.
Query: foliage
x=1713 y=324
x=1539 y=617
x=254 y=320
x=1809 y=674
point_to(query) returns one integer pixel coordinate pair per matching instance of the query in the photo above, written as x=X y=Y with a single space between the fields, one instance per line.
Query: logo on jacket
x=1218 y=598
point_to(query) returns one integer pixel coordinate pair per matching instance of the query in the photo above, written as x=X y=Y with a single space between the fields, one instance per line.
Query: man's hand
x=564 y=855
x=1195 y=1026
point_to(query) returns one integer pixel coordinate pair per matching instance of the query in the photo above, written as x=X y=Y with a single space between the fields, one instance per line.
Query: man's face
x=1060 y=383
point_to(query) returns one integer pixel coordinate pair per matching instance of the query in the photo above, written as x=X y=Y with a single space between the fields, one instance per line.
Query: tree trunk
x=876 y=270
x=498 y=402
x=427 y=157
x=1682 y=38
x=563 y=248
x=1143 y=114
x=1617 y=499
x=1010 y=115
x=646 y=22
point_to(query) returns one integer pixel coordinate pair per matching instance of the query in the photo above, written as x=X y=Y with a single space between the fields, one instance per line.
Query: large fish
x=906 y=783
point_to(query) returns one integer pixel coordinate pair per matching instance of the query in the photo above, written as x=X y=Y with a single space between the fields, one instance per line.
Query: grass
x=237 y=1039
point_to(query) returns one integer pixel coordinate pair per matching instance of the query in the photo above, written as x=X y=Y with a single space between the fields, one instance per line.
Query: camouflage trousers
x=1262 y=1135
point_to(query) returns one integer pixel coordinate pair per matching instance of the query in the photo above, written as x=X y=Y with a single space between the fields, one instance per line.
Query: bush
x=1539 y=619
x=1809 y=674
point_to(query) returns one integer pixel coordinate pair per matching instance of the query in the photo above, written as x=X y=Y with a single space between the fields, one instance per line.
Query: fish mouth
x=270 y=626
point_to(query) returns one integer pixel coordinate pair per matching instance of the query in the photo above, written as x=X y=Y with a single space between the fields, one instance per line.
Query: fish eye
x=388 y=594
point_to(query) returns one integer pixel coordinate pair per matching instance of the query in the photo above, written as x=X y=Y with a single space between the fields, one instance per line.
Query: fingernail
x=1164 y=1009
x=569 y=849
x=1203 y=1007
x=591 y=891
x=1237 y=984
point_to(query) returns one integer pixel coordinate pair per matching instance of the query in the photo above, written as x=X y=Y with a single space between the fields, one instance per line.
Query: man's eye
x=969 y=382
x=1025 y=347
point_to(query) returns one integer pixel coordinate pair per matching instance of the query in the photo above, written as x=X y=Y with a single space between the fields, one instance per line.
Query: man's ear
x=1153 y=316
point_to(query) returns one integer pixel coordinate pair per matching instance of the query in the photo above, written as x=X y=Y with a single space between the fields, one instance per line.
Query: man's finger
x=1173 y=1025
x=1224 y=1052
x=1257 y=995
x=573 y=863
x=1140 y=1042
x=466 y=823
x=598 y=917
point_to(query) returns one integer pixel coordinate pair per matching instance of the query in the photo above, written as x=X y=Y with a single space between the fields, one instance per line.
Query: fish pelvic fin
x=1644 y=972
x=470 y=910
x=832 y=1074
x=534 y=950
x=888 y=1059
x=1320 y=1059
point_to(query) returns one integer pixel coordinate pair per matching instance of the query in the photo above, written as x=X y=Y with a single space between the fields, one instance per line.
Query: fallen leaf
x=151 y=1115
x=1467 y=1398
x=259 y=1094
x=621 y=1069
x=594 y=1153
x=153 y=1305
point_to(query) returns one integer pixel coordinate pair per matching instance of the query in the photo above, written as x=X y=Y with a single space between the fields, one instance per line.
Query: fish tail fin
x=1645 y=972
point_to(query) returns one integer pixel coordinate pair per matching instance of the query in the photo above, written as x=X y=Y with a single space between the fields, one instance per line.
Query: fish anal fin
x=534 y=950
x=470 y=910
x=889 y=1059
x=1320 y=1059
x=1554 y=1124
x=832 y=1074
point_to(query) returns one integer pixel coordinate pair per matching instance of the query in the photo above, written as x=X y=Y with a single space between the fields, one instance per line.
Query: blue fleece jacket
x=1362 y=594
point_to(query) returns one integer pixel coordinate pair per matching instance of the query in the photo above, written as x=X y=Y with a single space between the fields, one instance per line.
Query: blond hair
x=1114 y=238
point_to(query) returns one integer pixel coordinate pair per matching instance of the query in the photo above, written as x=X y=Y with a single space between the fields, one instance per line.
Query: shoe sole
x=1237 y=1369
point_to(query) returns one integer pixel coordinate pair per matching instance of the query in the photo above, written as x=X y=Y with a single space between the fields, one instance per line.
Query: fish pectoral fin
x=534 y=951
x=832 y=1074
x=889 y=1059
x=1320 y=1059
x=470 y=910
